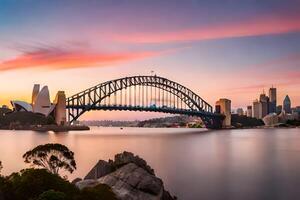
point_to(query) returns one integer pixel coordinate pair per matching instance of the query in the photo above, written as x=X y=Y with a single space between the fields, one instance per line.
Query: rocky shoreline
x=129 y=176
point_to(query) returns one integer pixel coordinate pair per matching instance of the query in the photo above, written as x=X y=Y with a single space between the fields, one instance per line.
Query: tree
x=52 y=195
x=52 y=157
x=1 y=166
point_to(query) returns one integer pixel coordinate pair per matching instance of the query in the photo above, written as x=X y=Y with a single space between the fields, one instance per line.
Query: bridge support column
x=223 y=106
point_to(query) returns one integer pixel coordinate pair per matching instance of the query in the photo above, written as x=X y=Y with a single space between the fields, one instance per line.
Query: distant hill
x=174 y=121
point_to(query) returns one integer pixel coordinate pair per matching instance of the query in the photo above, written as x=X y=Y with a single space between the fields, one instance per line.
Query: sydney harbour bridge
x=143 y=93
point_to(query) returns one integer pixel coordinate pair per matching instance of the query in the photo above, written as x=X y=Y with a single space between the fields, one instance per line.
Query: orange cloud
x=255 y=27
x=55 y=58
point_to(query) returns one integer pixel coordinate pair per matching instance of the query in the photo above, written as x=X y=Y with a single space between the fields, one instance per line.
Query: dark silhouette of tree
x=1 y=166
x=52 y=157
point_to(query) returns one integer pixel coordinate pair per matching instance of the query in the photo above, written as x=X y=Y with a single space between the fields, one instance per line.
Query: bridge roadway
x=143 y=108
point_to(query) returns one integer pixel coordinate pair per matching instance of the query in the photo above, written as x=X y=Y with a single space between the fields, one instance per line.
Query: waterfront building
x=272 y=100
x=249 y=111
x=256 y=108
x=223 y=106
x=60 y=108
x=287 y=104
x=271 y=119
x=20 y=106
x=40 y=103
x=35 y=92
x=279 y=109
x=296 y=112
x=264 y=105
x=240 y=111
x=282 y=117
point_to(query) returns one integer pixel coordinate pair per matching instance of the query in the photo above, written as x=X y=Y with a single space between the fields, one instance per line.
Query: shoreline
x=56 y=128
x=46 y=128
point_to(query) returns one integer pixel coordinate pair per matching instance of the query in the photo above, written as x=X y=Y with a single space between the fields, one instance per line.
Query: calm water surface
x=193 y=163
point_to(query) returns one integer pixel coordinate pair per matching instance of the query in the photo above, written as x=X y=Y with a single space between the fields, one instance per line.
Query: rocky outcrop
x=127 y=157
x=102 y=168
x=129 y=177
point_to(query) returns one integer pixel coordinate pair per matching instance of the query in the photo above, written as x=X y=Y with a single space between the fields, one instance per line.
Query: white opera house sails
x=40 y=103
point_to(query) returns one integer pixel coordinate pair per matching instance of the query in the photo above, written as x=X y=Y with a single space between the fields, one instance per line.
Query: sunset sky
x=229 y=48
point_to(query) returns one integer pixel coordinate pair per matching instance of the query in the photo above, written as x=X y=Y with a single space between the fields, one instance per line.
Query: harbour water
x=193 y=163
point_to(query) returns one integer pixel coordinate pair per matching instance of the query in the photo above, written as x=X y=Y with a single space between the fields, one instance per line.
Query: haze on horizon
x=232 y=49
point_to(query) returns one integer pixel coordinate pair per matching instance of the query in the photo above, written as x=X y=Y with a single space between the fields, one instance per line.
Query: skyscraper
x=273 y=100
x=287 y=104
x=264 y=105
x=256 y=108
x=249 y=111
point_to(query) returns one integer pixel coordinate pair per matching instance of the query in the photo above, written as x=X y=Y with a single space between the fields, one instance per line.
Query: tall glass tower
x=287 y=104
x=273 y=100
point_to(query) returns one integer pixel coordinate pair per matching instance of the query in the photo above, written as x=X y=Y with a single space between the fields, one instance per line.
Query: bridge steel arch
x=99 y=98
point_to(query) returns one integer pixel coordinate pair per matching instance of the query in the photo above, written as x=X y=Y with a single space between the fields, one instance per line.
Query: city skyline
x=232 y=50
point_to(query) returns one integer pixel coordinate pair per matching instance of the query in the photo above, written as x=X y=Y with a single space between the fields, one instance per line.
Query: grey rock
x=102 y=168
x=132 y=182
x=150 y=185
x=86 y=183
x=76 y=180
x=130 y=178
x=128 y=157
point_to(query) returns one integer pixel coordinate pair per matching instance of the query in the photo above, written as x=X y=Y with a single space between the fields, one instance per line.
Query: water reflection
x=194 y=163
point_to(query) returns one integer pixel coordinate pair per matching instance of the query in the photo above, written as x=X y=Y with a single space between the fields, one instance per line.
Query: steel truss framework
x=142 y=93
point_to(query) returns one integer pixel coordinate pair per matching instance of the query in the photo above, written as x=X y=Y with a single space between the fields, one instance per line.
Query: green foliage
x=46 y=184
x=52 y=195
x=293 y=122
x=50 y=120
x=198 y=125
x=30 y=183
x=52 y=157
x=6 y=191
x=22 y=119
x=99 y=192
x=244 y=121
x=39 y=184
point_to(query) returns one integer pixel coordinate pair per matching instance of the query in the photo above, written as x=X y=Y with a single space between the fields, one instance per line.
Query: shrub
x=99 y=192
x=52 y=195
x=30 y=183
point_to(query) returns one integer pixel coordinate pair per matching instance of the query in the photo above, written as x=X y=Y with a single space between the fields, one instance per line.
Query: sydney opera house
x=41 y=104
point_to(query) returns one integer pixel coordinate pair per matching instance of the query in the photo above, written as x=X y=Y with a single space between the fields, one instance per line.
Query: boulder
x=129 y=177
x=133 y=182
x=102 y=168
x=76 y=180
x=128 y=157
x=87 y=183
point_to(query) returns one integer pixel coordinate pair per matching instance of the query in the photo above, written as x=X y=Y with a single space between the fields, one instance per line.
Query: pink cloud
x=255 y=27
x=62 y=58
